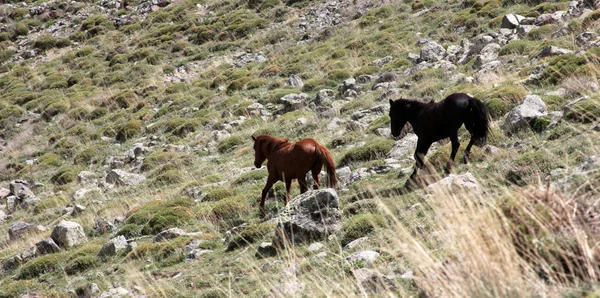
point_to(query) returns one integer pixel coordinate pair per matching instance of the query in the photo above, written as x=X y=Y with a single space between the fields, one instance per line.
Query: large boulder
x=47 y=246
x=18 y=229
x=25 y=198
x=113 y=246
x=292 y=102
x=404 y=147
x=68 y=233
x=432 y=52
x=521 y=116
x=511 y=21
x=311 y=215
x=123 y=178
x=488 y=54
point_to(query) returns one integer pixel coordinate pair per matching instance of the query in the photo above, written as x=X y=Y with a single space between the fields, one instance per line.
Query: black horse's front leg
x=455 y=146
x=422 y=148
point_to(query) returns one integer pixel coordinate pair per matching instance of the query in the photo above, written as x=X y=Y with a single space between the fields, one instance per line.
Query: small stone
x=18 y=229
x=511 y=21
x=169 y=234
x=356 y=243
x=68 y=233
x=47 y=246
x=374 y=282
x=295 y=81
x=195 y=253
x=316 y=246
x=266 y=249
x=367 y=257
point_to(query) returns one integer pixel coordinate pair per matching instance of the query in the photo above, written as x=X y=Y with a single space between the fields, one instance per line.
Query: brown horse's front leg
x=265 y=192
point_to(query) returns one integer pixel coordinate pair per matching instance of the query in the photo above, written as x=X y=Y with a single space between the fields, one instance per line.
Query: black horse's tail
x=479 y=122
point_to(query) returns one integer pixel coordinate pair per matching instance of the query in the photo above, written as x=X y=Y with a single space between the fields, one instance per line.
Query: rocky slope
x=126 y=162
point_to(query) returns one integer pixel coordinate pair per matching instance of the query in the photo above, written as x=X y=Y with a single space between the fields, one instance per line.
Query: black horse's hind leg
x=455 y=145
x=422 y=148
x=468 y=150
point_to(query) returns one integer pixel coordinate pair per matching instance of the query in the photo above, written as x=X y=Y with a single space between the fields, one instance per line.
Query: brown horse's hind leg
x=302 y=182
x=316 y=174
x=288 y=185
x=468 y=150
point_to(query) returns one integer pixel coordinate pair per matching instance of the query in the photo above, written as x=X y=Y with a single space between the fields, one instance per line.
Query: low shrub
x=374 y=149
x=128 y=130
x=250 y=234
x=65 y=175
x=41 y=265
x=360 y=225
x=82 y=263
x=229 y=144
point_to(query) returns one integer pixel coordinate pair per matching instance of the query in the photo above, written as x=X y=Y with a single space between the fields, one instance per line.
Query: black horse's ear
x=253 y=138
x=391 y=102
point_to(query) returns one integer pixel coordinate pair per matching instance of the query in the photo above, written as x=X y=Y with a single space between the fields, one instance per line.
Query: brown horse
x=288 y=161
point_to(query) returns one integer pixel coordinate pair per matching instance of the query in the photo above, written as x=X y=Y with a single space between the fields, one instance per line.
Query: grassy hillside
x=173 y=90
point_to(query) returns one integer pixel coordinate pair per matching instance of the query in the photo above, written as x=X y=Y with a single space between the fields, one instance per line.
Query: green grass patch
x=374 y=149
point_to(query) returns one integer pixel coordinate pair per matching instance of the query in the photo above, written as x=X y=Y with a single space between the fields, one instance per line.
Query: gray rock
x=311 y=215
x=511 y=21
x=11 y=263
x=316 y=246
x=47 y=246
x=373 y=282
x=113 y=247
x=404 y=147
x=488 y=54
x=550 y=18
x=324 y=97
x=29 y=254
x=366 y=257
x=2 y=216
x=18 y=229
x=91 y=290
x=525 y=29
x=532 y=107
x=115 y=293
x=83 y=193
x=292 y=102
x=455 y=183
x=193 y=245
x=4 y=192
x=553 y=51
x=102 y=226
x=85 y=177
x=11 y=204
x=432 y=52
x=68 y=233
x=382 y=61
x=195 y=253
x=367 y=116
x=415 y=58
x=348 y=84
x=295 y=81
x=169 y=234
x=123 y=178
x=355 y=243
x=265 y=250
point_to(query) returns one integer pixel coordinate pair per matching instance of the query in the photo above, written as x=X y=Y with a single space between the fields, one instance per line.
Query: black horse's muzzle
x=258 y=165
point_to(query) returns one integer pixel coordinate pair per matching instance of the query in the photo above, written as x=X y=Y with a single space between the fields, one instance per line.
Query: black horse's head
x=399 y=110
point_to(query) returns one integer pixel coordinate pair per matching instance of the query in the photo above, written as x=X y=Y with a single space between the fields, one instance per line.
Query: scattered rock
x=347 y=85
x=404 y=147
x=103 y=226
x=373 y=282
x=521 y=116
x=195 y=253
x=169 y=234
x=366 y=257
x=123 y=178
x=511 y=21
x=432 y=52
x=18 y=229
x=316 y=246
x=553 y=51
x=382 y=61
x=455 y=183
x=292 y=102
x=47 y=246
x=356 y=243
x=295 y=81
x=113 y=246
x=311 y=215
x=115 y=293
x=68 y=233
x=265 y=250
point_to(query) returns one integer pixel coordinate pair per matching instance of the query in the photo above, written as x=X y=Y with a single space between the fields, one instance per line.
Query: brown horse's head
x=259 y=151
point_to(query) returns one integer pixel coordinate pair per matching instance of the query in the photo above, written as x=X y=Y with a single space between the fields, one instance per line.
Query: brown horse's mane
x=271 y=142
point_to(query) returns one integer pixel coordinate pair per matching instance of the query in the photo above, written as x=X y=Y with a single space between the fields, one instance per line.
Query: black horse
x=433 y=121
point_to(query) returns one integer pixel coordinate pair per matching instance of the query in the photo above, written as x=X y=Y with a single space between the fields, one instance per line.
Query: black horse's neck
x=413 y=109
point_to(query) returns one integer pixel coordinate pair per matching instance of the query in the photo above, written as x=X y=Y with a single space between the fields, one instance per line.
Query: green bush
x=217 y=194
x=157 y=216
x=339 y=74
x=591 y=18
x=181 y=126
x=374 y=149
x=381 y=122
x=54 y=109
x=167 y=253
x=129 y=130
x=81 y=264
x=65 y=175
x=130 y=231
x=519 y=47
x=229 y=144
x=360 y=225
x=50 y=202
x=497 y=107
x=169 y=177
x=85 y=157
x=261 y=5
x=512 y=94
x=542 y=32
x=250 y=234
x=554 y=102
x=157 y=158
x=541 y=123
x=229 y=211
x=41 y=265
x=250 y=176
x=561 y=67
x=50 y=159
x=586 y=111
x=124 y=99
x=47 y=41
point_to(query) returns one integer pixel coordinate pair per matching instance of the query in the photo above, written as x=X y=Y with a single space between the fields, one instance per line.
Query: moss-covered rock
x=374 y=149
x=586 y=111
x=128 y=130
x=157 y=216
x=250 y=176
x=217 y=194
x=65 y=175
x=496 y=107
x=82 y=263
x=251 y=234
x=541 y=123
x=360 y=225
x=41 y=265
x=169 y=177
x=230 y=143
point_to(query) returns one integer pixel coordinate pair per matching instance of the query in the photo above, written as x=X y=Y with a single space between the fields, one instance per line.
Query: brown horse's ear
x=253 y=138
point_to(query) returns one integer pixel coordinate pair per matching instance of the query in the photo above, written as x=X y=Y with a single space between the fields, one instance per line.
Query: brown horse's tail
x=327 y=160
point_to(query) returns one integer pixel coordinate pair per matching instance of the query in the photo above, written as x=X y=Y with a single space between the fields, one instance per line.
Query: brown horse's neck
x=271 y=144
